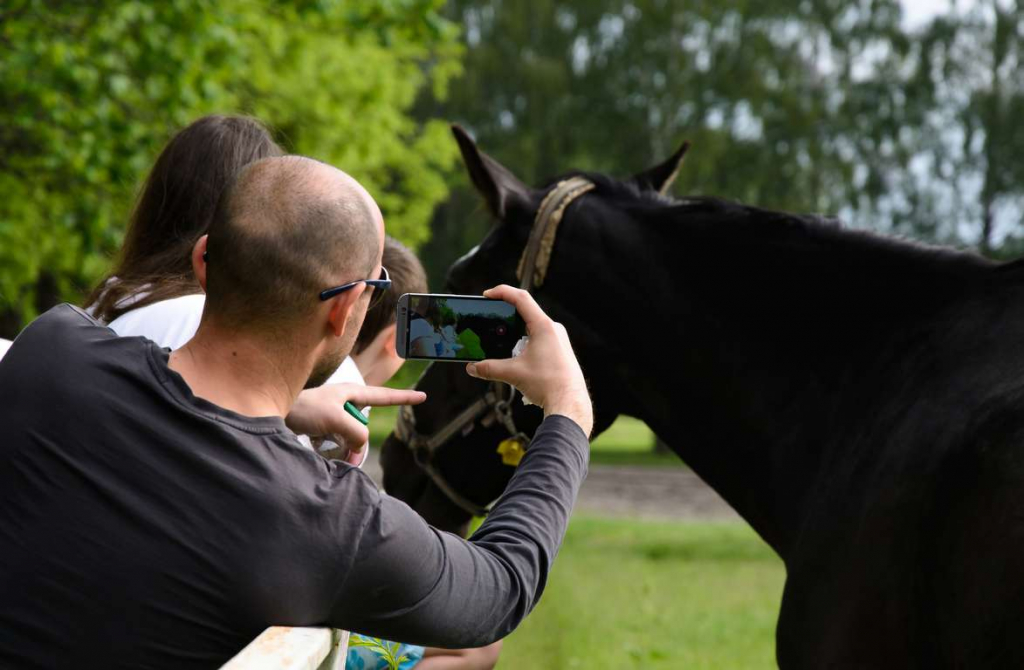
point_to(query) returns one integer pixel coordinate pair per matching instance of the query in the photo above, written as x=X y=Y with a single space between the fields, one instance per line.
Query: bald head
x=286 y=229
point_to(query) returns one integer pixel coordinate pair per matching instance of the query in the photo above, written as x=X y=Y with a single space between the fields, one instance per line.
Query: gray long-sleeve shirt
x=141 y=526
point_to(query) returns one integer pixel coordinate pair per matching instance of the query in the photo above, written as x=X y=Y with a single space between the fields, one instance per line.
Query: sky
x=917 y=12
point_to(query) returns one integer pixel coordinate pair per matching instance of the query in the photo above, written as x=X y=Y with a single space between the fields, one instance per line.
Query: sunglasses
x=379 y=286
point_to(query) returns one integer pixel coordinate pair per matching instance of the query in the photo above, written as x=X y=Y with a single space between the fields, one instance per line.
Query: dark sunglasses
x=379 y=286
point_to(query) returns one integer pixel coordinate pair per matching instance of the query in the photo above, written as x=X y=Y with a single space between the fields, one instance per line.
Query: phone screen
x=461 y=328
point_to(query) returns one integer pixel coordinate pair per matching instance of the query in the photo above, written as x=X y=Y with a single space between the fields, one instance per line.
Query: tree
x=90 y=91
x=968 y=75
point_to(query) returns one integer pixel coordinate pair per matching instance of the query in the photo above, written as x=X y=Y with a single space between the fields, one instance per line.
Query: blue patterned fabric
x=369 y=658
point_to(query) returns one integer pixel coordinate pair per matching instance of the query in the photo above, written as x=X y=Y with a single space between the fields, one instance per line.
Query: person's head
x=175 y=208
x=284 y=231
x=374 y=351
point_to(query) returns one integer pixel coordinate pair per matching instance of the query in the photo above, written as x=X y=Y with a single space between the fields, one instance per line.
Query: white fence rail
x=283 y=648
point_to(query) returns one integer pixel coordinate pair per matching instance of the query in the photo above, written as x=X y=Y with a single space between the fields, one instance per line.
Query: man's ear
x=341 y=308
x=660 y=177
x=199 y=257
x=495 y=182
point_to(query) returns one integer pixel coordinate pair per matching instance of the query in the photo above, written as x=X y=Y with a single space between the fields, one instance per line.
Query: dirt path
x=641 y=492
x=652 y=493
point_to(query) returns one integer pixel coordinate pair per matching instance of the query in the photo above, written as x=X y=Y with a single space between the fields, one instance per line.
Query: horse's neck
x=765 y=343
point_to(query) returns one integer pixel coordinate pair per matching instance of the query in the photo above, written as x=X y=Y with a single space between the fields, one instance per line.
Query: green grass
x=626 y=435
x=629 y=441
x=639 y=594
x=382 y=420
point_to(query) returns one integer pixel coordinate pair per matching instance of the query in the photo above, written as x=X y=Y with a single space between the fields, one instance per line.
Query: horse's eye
x=487 y=421
x=467 y=429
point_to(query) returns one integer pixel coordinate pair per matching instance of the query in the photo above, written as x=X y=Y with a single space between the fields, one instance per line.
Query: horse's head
x=444 y=457
x=515 y=207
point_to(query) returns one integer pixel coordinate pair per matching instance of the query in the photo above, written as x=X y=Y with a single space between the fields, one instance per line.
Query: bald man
x=157 y=511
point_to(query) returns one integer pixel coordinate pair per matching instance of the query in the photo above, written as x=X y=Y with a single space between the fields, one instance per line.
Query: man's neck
x=238 y=374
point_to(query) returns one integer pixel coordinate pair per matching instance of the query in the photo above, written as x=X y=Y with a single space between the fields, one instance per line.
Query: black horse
x=858 y=400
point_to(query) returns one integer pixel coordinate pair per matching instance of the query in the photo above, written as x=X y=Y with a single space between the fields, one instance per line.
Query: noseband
x=493 y=406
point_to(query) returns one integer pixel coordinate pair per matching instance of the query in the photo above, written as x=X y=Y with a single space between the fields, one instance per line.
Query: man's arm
x=413 y=583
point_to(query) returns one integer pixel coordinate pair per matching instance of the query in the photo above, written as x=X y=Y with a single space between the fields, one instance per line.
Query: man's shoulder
x=67 y=338
x=70 y=313
x=60 y=323
x=57 y=353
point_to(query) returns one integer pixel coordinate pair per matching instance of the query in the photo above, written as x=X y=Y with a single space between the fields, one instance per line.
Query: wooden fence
x=283 y=648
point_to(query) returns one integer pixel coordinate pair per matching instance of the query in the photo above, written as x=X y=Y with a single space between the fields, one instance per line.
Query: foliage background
x=90 y=91
x=810 y=105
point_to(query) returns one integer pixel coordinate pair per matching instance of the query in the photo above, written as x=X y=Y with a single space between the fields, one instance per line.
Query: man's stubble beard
x=329 y=362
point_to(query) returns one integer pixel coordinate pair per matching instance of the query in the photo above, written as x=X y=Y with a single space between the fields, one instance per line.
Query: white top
x=4 y=346
x=348 y=373
x=171 y=323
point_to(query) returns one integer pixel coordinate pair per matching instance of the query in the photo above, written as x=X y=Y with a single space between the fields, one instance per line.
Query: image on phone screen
x=461 y=328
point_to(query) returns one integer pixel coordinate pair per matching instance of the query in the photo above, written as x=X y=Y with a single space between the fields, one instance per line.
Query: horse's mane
x=651 y=205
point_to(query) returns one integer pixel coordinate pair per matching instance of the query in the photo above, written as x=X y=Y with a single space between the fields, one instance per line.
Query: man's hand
x=547 y=371
x=321 y=411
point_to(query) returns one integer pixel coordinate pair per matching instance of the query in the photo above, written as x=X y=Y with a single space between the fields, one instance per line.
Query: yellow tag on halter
x=511 y=451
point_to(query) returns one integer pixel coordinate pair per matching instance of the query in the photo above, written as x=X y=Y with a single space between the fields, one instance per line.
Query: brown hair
x=407 y=276
x=175 y=208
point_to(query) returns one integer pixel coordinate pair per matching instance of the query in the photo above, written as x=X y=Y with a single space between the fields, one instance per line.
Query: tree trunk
x=10 y=323
x=985 y=245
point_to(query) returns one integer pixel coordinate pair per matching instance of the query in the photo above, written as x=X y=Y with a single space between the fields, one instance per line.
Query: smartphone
x=438 y=327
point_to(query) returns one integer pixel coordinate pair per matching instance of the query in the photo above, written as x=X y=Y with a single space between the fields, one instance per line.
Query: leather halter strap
x=424 y=448
x=532 y=270
x=533 y=264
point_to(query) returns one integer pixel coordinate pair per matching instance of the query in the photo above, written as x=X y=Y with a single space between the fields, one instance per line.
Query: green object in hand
x=354 y=411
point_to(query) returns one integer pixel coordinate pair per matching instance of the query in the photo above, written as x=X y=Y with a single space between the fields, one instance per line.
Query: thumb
x=499 y=370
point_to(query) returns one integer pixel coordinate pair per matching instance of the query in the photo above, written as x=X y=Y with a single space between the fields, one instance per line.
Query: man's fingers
x=492 y=369
x=357 y=434
x=355 y=457
x=376 y=396
x=353 y=435
x=524 y=303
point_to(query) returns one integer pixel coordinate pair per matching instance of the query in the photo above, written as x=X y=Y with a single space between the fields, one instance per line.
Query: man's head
x=286 y=229
x=374 y=352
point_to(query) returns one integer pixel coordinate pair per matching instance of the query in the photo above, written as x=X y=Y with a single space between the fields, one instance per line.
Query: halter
x=531 y=272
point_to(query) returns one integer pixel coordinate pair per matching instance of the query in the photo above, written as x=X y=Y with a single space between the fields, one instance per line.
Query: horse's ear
x=498 y=185
x=660 y=177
